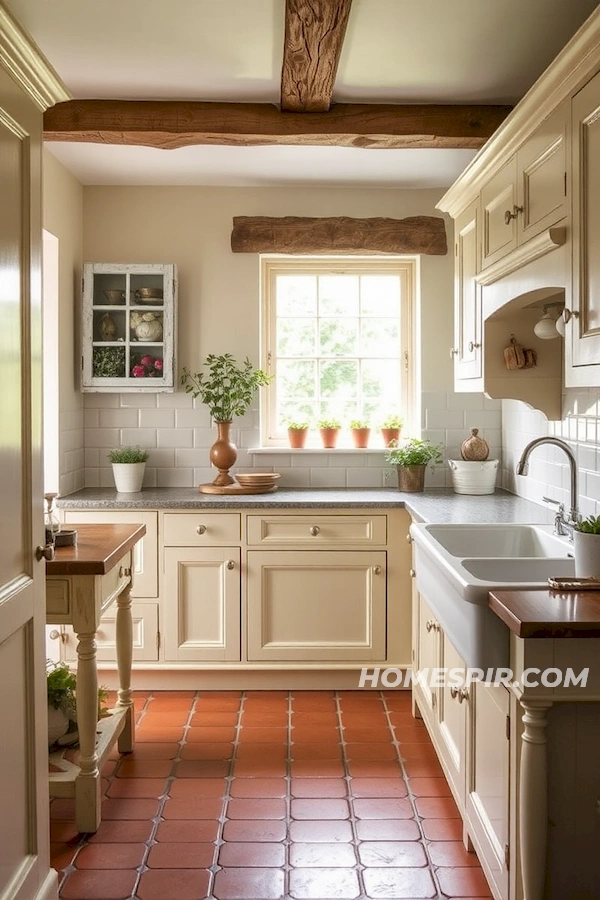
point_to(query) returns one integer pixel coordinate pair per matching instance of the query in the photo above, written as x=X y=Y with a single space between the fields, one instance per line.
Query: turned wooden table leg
x=87 y=785
x=533 y=800
x=124 y=657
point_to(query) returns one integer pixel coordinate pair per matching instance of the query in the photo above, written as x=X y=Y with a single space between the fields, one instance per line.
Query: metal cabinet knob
x=124 y=572
x=56 y=635
x=473 y=345
x=431 y=625
x=45 y=552
x=509 y=216
x=459 y=694
x=201 y=529
x=409 y=539
x=453 y=352
x=377 y=570
x=314 y=530
x=569 y=314
x=412 y=573
x=230 y=564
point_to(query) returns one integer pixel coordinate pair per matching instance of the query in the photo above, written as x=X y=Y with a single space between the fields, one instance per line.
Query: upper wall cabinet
x=128 y=331
x=529 y=192
x=467 y=295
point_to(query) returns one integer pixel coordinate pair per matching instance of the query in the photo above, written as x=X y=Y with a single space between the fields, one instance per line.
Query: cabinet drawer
x=200 y=529
x=313 y=531
x=144 y=618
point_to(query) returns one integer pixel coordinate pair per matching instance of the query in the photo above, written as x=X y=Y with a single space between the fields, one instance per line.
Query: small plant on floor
x=61 y=684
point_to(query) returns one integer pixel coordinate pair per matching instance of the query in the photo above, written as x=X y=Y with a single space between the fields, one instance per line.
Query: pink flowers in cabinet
x=147 y=367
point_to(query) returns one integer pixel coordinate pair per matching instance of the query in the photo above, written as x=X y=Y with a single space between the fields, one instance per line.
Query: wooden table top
x=99 y=548
x=549 y=614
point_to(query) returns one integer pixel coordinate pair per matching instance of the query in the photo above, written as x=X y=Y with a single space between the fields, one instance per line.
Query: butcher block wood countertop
x=99 y=548
x=549 y=614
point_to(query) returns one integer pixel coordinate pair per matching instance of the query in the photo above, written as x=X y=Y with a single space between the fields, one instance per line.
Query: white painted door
x=24 y=841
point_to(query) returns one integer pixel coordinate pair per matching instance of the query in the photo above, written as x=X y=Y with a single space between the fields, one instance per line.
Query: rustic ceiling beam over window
x=314 y=34
x=169 y=124
x=339 y=235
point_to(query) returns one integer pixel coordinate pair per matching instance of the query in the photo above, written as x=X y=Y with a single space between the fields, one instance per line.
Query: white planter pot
x=58 y=724
x=587 y=554
x=128 y=477
x=474 y=476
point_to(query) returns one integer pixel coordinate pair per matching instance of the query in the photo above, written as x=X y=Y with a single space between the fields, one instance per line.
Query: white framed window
x=338 y=334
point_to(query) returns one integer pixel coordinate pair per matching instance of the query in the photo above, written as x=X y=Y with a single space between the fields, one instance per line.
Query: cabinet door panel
x=497 y=197
x=145 y=635
x=316 y=530
x=542 y=166
x=202 y=603
x=452 y=718
x=145 y=552
x=488 y=790
x=427 y=650
x=321 y=605
x=468 y=330
x=200 y=529
x=584 y=332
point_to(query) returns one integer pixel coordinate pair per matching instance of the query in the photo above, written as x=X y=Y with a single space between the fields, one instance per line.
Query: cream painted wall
x=63 y=217
x=219 y=290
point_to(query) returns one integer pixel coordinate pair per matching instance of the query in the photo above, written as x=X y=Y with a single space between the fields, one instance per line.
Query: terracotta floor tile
x=399 y=883
x=207 y=750
x=259 y=768
x=160 y=735
x=400 y=719
x=137 y=787
x=381 y=808
x=321 y=831
x=110 y=856
x=169 y=697
x=186 y=831
x=463 y=882
x=429 y=787
x=266 y=697
x=442 y=829
x=365 y=734
x=264 y=830
x=411 y=735
x=312 y=699
x=210 y=734
x=96 y=884
x=370 y=751
x=154 y=751
x=397 y=854
x=361 y=698
x=264 y=718
x=437 y=808
x=417 y=750
x=64 y=833
x=397 y=699
x=263 y=734
x=316 y=734
x=262 y=751
x=378 y=787
x=249 y=884
x=388 y=830
x=320 y=809
x=316 y=717
x=62 y=810
x=129 y=809
x=374 y=768
x=144 y=768
x=164 y=718
x=359 y=719
x=261 y=854
x=214 y=719
x=253 y=808
x=190 y=855
x=314 y=768
x=451 y=853
x=217 y=703
x=203 y=768
x=314 y=751
x=324 y=883
x=191 y=788
x=121 y=831
x=423 y=768
x=258 y=787
x=61 y=855
x=322 y=854
x=319 y=787
x=183 y=884
x=193 y=809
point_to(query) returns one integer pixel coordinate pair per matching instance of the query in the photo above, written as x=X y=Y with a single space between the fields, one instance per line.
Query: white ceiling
x=395 y=51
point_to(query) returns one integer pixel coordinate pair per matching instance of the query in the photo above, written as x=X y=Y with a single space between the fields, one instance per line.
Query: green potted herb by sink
x=410 y=460
x=586 y=541
x=128 y=465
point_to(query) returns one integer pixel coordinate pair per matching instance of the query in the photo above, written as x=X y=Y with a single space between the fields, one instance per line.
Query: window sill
x=310 y=450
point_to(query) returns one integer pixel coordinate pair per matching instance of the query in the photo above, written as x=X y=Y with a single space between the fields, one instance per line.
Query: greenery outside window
x=338 y=334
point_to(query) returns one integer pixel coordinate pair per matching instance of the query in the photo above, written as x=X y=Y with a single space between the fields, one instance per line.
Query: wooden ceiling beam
x=168 y=124
x=314 y=34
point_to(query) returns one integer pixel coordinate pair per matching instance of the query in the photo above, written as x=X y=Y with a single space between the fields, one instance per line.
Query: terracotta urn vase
x=360 y=437
x=329 y=437
x=223 y=454
x=297 y=437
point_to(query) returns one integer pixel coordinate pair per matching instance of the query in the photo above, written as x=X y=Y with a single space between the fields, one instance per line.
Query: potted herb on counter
x=129 y=465
x=586 y=541
x=411 y=459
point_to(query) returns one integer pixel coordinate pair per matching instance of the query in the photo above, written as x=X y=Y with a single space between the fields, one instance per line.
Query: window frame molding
x=408 y=269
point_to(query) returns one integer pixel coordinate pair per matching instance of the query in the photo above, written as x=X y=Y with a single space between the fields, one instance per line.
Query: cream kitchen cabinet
x=202 y=582
x=582 y=332
x=528 y=194
x=144 y=593
x=128 y=328
x=468 y=327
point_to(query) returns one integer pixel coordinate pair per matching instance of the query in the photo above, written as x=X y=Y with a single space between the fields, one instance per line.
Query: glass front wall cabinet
x=129 y=324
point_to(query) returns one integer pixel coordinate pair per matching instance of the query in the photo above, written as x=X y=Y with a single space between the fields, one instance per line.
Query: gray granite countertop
x=442 y=506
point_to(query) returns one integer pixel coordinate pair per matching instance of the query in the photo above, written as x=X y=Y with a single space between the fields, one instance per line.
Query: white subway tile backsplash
x=142 y=437
x=102 y=401
x=175 y=477
x=326 y=477
x=138 y=401
x=178 y=400
x=118 y=418
x=294 y=477
x=364 y=478
x=157 y=418
x=449 y=418
x=174 y=437
x=103 y=437
x=91 y=418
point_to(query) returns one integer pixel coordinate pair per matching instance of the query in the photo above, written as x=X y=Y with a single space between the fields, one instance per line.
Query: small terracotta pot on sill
x=329 y=437
x=360 y=436
x=390 y=434
x=297 y=437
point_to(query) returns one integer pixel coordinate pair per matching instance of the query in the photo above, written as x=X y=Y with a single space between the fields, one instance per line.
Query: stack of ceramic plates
x=258 y=481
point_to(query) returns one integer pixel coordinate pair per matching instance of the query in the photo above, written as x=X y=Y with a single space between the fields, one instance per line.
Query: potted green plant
x=297 y=432
x=361 y=429
x=411 y=459
x=586 y=541
x=128 y=465
x=329 y=429
x=390 y=429
x=61 y=686
x=228 y=390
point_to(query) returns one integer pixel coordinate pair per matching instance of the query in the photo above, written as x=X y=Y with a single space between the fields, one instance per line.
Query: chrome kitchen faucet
x=562 y=526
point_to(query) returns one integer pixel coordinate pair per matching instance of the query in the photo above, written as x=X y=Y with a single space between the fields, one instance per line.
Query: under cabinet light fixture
x=547 y=328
